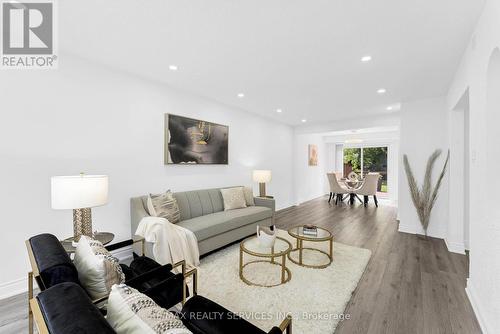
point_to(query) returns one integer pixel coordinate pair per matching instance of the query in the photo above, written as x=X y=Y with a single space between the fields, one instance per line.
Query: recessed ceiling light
x=366 y=59
x=241 y=95
x=389 y=108
x=279 y=111
x=173 y=67
x=381 y=91
x=304 y=120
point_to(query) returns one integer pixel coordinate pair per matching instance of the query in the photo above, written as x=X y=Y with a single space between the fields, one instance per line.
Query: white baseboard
x=12 y=288
x=473 y=298
x=412 y=229
x=20 y=285
x=309 y=198
x=406 y=229
x=455 y=247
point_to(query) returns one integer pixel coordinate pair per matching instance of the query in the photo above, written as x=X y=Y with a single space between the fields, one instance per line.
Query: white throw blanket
x=171 y=243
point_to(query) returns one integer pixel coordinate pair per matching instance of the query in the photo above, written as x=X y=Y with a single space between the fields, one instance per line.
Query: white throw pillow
x=164 y=206
x=249 y=196
x=131 y=312
x=234 y=198
x=98 y=270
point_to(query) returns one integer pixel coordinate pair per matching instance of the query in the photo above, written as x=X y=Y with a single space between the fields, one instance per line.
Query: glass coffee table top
x=253 y=247
x=298 y=232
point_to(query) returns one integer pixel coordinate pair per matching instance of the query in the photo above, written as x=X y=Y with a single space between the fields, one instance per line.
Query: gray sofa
x=202 y=212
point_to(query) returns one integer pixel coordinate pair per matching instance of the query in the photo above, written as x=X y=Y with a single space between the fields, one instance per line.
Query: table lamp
x=262 y=176
x=80 y=193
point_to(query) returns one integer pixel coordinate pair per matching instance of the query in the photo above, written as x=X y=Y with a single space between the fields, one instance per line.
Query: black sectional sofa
x=63 y=306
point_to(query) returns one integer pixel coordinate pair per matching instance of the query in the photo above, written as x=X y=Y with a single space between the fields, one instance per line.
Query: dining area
x=353 y=188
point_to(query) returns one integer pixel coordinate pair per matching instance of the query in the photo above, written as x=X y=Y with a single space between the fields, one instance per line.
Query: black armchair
x=66 y=308
x=51 y=265
x=57 y=279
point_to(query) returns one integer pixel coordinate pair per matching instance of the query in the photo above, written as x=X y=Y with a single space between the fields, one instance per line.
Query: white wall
x=339 y=158
x=87 y=118
x=457 y=234
x=484 y=282
x=309 y=181
x=424 y=128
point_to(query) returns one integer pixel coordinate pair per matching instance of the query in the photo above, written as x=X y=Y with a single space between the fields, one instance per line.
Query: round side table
x=322 y=236
x=252 y=247
x=104 y=237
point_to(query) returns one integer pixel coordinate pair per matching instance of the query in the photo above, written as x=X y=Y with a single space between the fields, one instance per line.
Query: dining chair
x=336 y=190
x=369 y=188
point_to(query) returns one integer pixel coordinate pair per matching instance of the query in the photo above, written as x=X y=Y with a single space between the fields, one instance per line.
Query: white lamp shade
x=262 y=176
x=78 y=192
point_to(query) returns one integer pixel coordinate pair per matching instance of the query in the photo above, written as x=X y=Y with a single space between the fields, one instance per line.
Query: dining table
x=353 y=184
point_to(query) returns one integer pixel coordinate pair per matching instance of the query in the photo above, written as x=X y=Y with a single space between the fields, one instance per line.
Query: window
x=364 y=160
x=352 y=161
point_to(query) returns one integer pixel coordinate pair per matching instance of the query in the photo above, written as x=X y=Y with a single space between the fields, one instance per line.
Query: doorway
x=368 y=159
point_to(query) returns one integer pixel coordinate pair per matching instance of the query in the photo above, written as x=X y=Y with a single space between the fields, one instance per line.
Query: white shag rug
x=316 y=298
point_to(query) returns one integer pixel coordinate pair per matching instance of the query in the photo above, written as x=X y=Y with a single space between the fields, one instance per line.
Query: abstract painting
x=192 y=141
x=313 y=155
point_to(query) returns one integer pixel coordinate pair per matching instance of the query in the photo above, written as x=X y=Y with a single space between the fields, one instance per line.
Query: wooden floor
x=411 y=285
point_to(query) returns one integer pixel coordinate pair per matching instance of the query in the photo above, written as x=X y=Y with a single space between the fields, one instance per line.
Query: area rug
x=316 y=298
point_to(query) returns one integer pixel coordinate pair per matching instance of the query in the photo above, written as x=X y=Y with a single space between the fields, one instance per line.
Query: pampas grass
x=425 y=198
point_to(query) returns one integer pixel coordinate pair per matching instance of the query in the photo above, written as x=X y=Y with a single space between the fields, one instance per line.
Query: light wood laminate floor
x=411 y=285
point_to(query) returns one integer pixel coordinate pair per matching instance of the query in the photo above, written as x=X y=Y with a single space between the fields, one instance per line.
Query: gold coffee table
x=252 y=247
x=323 y=236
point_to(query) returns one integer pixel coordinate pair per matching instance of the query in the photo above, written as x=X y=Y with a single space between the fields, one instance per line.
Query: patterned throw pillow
x=234 y=198
x=164 y=206
x=131 y=312
x=98 y=270
x=249 y=196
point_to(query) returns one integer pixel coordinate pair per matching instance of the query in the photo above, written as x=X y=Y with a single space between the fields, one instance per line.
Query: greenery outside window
x=364 y=160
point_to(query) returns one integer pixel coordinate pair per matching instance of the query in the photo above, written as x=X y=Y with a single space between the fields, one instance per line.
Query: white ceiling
x=300 y=56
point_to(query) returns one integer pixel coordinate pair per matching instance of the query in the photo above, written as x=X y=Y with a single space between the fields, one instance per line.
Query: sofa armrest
x=137 y=212
x=158 y=273
x=267 y=202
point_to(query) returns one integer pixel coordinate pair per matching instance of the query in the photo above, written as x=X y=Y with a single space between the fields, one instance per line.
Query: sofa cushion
x=208 y=226
x=130 y=311
x=164 y=206
x=197 y=203
x=234 y=198
x=97 y=269
x=249 y=196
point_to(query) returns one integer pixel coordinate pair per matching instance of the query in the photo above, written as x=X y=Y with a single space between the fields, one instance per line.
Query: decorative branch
x=425 y=198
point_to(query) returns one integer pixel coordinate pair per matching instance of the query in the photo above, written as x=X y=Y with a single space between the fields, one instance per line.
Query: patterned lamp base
x=82 y=223
x=262 y=189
